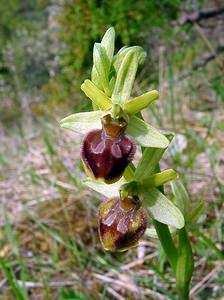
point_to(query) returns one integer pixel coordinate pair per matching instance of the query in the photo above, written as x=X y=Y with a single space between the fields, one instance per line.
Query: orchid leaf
x=146 y=135
x=82 y=122
x=96 y=95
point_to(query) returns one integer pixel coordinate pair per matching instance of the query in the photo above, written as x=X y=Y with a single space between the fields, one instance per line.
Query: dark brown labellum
x=121 y=224
x=106 y=152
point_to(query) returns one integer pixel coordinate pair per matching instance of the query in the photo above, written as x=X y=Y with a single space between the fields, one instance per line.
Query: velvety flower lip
x=106 y=152
x=121 y=224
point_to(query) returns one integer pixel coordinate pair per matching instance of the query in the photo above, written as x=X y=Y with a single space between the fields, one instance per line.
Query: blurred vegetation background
x=49 y=247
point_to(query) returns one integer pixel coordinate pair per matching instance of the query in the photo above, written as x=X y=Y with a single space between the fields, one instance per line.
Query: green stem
x=181 y=259
x=185 y=265
x=167 y=243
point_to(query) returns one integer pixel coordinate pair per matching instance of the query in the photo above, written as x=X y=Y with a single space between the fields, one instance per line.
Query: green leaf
x=182 y=198
x=146 y=135
x=125 y=78
x=82 y=122
x=137 y=104
x=161 y=208
x=108 y=43
x=96 y=95
x=107 y=190
x=149 y=161
x=102 y=65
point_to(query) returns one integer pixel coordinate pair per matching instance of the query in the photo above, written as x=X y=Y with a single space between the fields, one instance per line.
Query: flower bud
x=106 y=152
x=121 y=223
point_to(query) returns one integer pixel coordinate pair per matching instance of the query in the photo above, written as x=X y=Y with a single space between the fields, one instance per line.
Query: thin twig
x=137 y=262
x=208 y=43
x=31 y=284
x=200 y=15
x=206 y=279
x=115 y=294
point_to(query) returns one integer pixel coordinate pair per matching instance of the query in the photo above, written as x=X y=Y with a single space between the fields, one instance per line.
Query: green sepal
x=107 y=190
x=161 y=208
x=182 y=197
x=145 y=135
x=82 y=122
x=102 y=65
x=125 y=78
x=135 y=105
x=149 y=161
x=96 y=95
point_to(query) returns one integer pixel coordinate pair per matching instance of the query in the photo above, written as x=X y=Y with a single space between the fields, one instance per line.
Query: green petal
x=154 y=180
x=96 y=95
x=82 y=122
x=160 y=178
x=146 y=135
x=161 y=208
x=137 y=104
